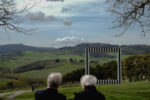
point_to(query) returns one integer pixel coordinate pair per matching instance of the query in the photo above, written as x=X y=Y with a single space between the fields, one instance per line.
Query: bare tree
x=131 y=12
x=10 y=16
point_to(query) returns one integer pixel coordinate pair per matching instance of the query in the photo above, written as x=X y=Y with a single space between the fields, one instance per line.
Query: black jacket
x=89 y=93
x=49 y=94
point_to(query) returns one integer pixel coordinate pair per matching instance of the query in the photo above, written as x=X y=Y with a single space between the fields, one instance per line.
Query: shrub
x=137 y=67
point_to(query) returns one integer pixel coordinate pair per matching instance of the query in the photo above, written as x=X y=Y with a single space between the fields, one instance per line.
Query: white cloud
x=63 y=10
x=54 y=7
x=55 y=0
x=40 y=16
x=51 y=18
x=67 y=22
x=69 y=41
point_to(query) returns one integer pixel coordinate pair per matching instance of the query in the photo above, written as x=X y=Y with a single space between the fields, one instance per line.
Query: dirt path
x=13 y=94
x=2 y=94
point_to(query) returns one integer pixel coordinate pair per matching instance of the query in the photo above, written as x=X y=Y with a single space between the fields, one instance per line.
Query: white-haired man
x=88 y=83
x=53 y=82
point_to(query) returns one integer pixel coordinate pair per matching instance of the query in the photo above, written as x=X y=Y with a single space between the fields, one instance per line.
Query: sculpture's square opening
x=107 y=73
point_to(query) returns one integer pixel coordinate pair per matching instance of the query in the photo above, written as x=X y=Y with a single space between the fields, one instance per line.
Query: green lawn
x=126 y=91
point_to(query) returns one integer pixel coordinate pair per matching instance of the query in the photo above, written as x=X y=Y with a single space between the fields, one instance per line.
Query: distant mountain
x=126 y=49
x=80 y=49
x=77 y=50
x=4 y=49
x=135 y=49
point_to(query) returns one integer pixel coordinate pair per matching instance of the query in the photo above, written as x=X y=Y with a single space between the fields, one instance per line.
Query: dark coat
x=49 y=94
x=89 y=93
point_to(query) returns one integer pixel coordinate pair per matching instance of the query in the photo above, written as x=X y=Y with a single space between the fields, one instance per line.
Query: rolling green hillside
x=61 y=67
x=30 y=57
x=37 y=64
x=29 y=63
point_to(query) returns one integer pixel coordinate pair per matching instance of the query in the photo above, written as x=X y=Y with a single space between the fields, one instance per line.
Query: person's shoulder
x=40 y=91
x=61 y=95
x=101 y=96
x=77 y=94
x=39 y=94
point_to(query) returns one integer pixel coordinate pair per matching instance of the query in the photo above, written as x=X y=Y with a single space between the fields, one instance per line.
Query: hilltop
x=4 y=49
x=126 y=49
x=77 y=50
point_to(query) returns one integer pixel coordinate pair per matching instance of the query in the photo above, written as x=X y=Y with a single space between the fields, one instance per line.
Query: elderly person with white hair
x=51 y=93
x=88 y=83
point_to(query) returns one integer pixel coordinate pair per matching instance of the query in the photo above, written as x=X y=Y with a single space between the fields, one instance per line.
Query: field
x=126 y=91
x=30 y=56
x=63 y=67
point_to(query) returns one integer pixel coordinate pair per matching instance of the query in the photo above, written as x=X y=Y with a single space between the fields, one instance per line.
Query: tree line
x=105 y=71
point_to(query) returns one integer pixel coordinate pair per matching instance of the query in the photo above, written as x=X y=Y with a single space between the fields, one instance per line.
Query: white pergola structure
x=105 y=50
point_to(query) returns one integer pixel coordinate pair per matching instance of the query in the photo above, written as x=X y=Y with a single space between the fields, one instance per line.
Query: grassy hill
x=33 y=57
x=30 y=57
x=38 y=64
x=126 y=91
x=61 y=67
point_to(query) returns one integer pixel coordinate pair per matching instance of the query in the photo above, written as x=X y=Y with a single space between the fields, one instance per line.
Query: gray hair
x=88 y=80
x=54 y=80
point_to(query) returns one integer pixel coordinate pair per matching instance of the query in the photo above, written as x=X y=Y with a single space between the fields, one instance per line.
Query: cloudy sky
x=60 y=23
